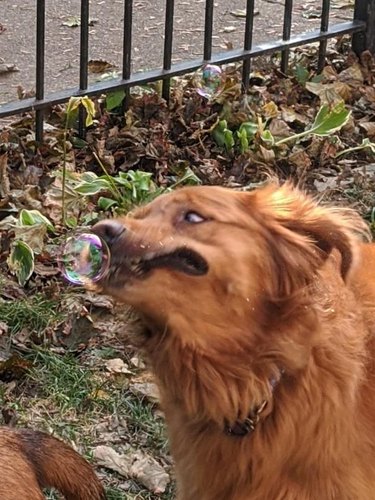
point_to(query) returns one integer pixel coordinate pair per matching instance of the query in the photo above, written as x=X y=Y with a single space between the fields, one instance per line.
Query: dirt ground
x=17 y=34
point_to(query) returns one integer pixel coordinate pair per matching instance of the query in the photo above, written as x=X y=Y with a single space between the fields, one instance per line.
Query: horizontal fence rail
x=360 y=28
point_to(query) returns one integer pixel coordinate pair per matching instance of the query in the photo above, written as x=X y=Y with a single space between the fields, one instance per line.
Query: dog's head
x=221 y=253
x=233 y=278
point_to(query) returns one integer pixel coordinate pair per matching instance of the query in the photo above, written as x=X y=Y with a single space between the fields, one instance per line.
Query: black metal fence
x=362 y=28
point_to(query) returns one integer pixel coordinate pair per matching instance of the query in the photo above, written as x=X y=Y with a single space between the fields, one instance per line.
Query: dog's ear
x=301 y=234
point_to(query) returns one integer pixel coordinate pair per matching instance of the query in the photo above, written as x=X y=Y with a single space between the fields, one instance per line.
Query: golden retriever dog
x=260 y=314
x=32 y=460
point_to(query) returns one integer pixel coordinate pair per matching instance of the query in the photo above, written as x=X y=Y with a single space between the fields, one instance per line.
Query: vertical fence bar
x=370 y=32
x=323 y=28
x=83 y=62
x=168 y=45
x=248 y=42
x=286 y=33
x=39 y=82
x=364 y=10
x=127 y=48
x=127 y=40
x=208 y=24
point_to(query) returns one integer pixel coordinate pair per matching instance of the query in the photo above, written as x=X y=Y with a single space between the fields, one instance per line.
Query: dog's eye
x=193 y=218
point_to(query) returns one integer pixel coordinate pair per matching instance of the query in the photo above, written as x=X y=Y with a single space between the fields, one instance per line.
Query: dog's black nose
x=109 y=230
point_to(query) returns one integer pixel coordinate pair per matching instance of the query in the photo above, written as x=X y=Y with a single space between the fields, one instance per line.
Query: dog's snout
x=109 y=230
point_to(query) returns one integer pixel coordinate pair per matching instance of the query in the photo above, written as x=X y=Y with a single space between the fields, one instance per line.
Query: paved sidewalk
x=17 y=34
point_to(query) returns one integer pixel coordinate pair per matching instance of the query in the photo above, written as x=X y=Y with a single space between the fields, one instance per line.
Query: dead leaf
x=238 y=13
x=342 y=4
x=138 y=362
x=290 y=115
x=34 y=236
x=242 y=13
x=369 y=127
x=328 y=151
x=8 y=68
x=3 y=328
x=117 y=365
x=267 y=155
x=279 y=129
x=135 y=464
x=23 y=93
x=312 y=13
x=4 y=176
x=10 y=416
x=330 y=93
x=352 y=75
x=325 y=184
x=229 y=29
x=75 y=21
x=99 y=66
x=100 y=301
x=300 y=159
x=270 y=110
x=146 y=389
x=45 y=271
x=14 y=367
x=329 y=74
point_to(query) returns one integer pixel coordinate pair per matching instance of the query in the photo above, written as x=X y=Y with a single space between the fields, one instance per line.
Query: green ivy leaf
x=302 y=74
x=71 y=222
x=141 y=180
x=78 y=142
x=268 y=137
x=114 y=99
x=93 y=187
x=218 y=133
x=366 y=143
x=89 y=106
x=106 y=203
x=328 y=121
x=228 y=139
x=21 y=261
x=34 y=217
x=244 y=142
x=250 y=128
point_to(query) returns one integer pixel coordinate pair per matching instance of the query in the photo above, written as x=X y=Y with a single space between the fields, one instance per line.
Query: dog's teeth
x=134 y=262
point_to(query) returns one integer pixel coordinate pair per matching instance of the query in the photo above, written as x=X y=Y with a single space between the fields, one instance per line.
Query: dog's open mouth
x=184 y=260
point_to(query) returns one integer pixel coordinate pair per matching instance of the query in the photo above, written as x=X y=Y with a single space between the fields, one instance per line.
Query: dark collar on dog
x=243 y=427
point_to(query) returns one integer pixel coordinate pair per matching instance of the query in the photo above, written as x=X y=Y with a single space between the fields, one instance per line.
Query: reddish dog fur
x=32 y=460
x=283 y=314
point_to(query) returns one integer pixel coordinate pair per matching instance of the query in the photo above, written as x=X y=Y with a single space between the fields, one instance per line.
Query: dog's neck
x=209 y=393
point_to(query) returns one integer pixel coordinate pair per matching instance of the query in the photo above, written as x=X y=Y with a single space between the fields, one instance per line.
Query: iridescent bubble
x=209 y=80
x=84 y=258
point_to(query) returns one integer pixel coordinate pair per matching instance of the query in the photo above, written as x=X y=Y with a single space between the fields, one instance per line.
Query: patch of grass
x=142 y=423
x=35 y=313
x=115 y=494
x=73 y=387
x=136 y=493
x=73 y=397
x=52 y=494
x=64 y=381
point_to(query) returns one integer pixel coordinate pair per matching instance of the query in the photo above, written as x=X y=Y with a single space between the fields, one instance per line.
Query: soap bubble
x=209 y=81
x=84 y=259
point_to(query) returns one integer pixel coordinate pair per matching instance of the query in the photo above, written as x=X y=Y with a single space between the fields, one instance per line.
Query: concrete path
x=17 y=34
